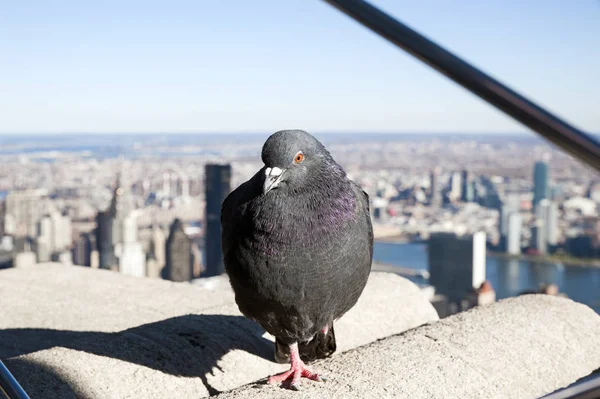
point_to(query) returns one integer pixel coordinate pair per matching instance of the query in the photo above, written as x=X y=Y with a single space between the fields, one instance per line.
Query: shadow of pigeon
x=188 y=346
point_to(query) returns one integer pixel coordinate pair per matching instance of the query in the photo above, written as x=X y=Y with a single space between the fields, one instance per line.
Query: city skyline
x=136 y=67
x=109 y=203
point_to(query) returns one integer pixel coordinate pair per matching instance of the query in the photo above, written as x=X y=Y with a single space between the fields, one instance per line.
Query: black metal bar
x=589 y=388
x=572 y=140
x=9 y=386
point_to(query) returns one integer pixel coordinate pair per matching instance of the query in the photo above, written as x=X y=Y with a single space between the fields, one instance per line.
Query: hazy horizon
x=261 y=132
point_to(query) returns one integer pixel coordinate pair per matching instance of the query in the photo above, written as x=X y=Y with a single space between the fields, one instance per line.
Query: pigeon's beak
x=272 y=178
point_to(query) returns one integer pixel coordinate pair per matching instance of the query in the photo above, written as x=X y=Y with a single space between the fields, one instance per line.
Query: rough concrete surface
x=520 y=348
x=88 y=333
x=83 y=299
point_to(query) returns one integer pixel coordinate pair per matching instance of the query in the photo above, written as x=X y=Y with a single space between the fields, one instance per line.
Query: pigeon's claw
x=296 y=371
x=294 y=387
x=276 y=379
x=293 y=376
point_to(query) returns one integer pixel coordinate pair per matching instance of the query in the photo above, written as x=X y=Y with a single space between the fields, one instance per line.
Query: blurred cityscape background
x=125 y=124
x=469 y=218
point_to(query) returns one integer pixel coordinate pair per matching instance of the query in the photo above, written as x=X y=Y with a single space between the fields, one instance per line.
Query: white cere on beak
x=275 y=171
x=272 y=178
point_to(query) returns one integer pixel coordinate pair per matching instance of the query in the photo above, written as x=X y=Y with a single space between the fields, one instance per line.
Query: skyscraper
x=158 y=256
x=491 y=198
x=44 y=240
x=25 y=208
x=116 y=232
x=121 y=205
x=218 y=186
x=510 y=240
x=464 y=180
x=56 y=235
x=159 y=243
x=513 y=237
x=468 y=187
x=547 y=215
x=179 y=254
x=511 y=204
x=538 y=237
x=540 y=182
x=132 y=260
x=456 y=263
x=552 y=223
x=83 y=248
x=106 y=251
x=434 y=192
x=475 y=189
x=455 y=186
x=61 y=237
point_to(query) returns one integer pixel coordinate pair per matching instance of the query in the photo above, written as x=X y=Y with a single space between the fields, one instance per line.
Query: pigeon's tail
x=321 y=346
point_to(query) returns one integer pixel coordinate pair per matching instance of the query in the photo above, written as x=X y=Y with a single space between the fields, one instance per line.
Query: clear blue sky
x=240 y=65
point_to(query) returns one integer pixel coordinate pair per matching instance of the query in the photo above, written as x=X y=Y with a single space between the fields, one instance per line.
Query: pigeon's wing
x=363 y=199
x=231 y=207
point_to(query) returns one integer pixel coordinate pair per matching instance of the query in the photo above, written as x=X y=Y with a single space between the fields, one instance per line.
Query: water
x=508 y=277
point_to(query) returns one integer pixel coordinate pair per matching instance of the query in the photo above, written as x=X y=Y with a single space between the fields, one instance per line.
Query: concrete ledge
x=522 y=347
x=87 y=333
x=82 y=299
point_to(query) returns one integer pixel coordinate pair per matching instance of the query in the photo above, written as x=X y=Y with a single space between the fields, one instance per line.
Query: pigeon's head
x=293 y=160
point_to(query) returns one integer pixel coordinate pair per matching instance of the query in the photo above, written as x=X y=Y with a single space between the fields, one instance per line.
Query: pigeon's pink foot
x=296 y=371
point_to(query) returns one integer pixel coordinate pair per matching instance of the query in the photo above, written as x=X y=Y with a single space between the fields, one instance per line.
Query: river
x=508 y=277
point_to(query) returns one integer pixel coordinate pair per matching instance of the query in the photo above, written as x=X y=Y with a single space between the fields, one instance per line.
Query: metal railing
x=587 y=388
x=570 y=139
x=9 y=386
x=565 y=136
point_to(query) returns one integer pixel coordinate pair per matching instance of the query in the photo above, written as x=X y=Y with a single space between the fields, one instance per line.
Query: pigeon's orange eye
x=299 y=157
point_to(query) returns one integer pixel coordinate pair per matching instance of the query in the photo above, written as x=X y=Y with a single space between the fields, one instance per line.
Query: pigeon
x=297 y=245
